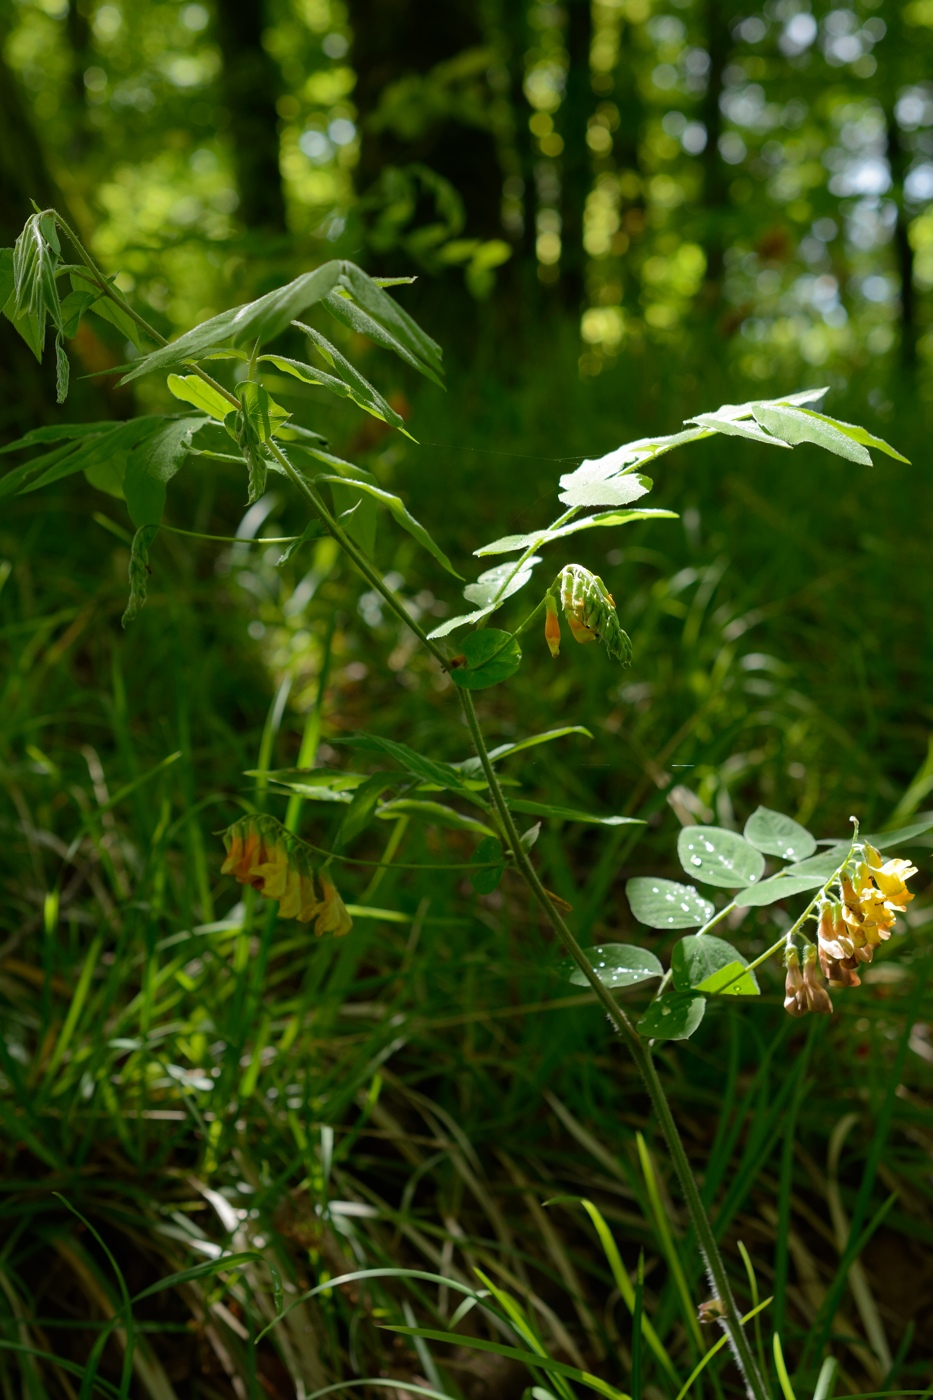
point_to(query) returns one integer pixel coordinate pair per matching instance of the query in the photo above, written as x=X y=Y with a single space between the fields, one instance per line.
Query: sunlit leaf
x=427 y=769
x=510 y=543
x=797 y=425
x=778 y=835
x=191 y=388
x=617 y=492
x=666 y=904
x=778 y=887
x=719 y=857
x=617 y=965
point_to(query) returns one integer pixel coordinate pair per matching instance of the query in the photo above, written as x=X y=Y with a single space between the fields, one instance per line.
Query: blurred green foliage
x=699 y=201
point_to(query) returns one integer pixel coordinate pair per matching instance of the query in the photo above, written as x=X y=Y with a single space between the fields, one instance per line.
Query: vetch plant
x=854 y=892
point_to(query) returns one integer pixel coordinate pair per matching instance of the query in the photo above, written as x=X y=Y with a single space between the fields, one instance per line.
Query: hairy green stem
x=642 y=1057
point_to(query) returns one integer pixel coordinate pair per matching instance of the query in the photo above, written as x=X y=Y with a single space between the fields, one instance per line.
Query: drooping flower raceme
x=260 y=853
x=872 y=892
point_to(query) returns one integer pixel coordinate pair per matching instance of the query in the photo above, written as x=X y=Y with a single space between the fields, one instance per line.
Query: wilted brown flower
x=803 y=990
x=261 y=854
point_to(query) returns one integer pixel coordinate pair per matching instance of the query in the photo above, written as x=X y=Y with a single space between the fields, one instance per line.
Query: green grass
x=191 y=1077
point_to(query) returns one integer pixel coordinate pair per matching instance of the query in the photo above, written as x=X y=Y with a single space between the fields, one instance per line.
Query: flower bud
x=552 y=625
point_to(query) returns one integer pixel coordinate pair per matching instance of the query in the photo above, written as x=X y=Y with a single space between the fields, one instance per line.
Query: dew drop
x=696 y=860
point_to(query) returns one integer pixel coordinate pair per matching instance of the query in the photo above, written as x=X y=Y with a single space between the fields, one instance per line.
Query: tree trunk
x=899 y=161
x=395 y=39
x=576 y=163
x=251 y=83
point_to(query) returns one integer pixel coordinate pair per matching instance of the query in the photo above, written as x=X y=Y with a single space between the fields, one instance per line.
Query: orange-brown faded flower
x=261 y=854
x=839 y=956
x=333 y=917
x=803 y=990
x=552 y=625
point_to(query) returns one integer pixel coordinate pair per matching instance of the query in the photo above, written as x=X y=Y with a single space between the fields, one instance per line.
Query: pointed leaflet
x=191 y=388
x=569 y=814
x=796 y=425
x=509 y=543
x=471 y=766
x=360 y=389
x=362 y=808
x=87 y=451
x=736 y=427
x=261 y=320
x=383 y=320
x=150 y=467
x=428 y=770
x=402 y=515
x=857 y=434
x=778 y=887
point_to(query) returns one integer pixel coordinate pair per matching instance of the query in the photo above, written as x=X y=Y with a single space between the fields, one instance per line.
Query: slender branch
x=642 y=1057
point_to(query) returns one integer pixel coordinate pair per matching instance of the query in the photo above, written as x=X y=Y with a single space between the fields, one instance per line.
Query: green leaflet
x=778 y=835
x=139 y=571
x=569 y=814
x=620 y=491
x=489 y=854
x=796 y=425
x=673 y=1017
x=484 y=592
x=435 y=813
x=617 y=965
x=84 y=446
x=361 y=391
x=473 y=768
x=857 y=434
x=191 y=388
x=428 y=770
x=778 y=887
x=667 y=904
x=399 y=512
x=383 y=320
x=699 y=959
x=509 y=543
x=719 y=857
x=489 y=657
x=362 y=808
x=151 y=465
x=737 y=427
x=260 y=320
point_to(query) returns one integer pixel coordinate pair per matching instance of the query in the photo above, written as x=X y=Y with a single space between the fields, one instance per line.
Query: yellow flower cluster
x=849 y=932
x=260 y=854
